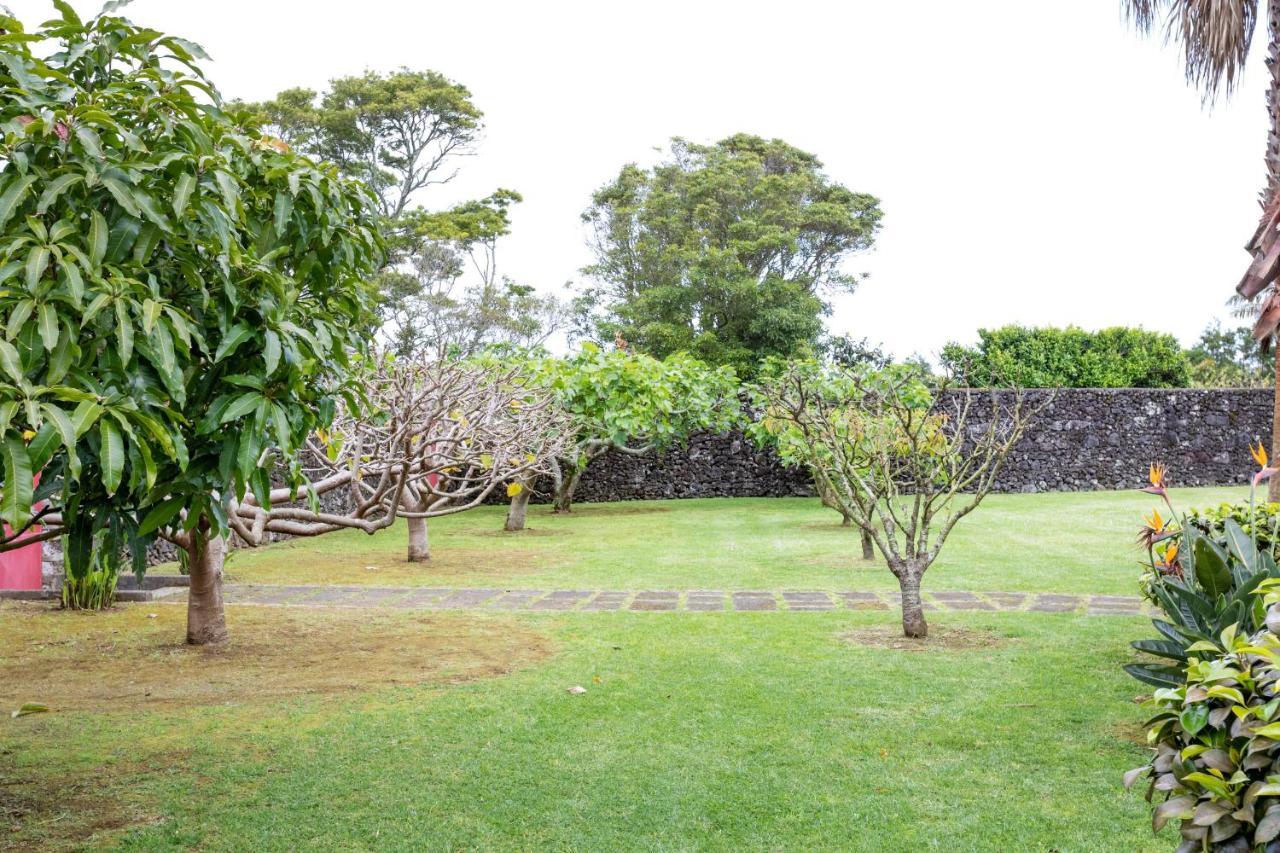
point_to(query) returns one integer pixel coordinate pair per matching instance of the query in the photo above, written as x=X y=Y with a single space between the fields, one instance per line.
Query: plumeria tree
x=453 y=432
x=899 y=453
x=788 y=440
x=179 y=297
x=629 y=403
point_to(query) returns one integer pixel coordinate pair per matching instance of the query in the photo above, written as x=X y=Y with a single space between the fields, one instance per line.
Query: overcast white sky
x=1037 y=163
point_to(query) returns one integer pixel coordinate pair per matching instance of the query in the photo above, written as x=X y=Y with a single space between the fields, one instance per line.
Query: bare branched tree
x=903 y=456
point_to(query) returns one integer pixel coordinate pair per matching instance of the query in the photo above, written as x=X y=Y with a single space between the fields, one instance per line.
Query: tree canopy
x=179 y=292
x=634 y=403
x=727 y=251
x=440 y=288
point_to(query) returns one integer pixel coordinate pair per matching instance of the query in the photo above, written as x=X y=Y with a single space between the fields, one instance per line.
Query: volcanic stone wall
x=1085 y=439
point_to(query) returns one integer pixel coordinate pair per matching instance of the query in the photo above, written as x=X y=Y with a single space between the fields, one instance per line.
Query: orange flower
x=1154 y=521
x=1259 y=454
x=1168 y=563
x=1156 y=474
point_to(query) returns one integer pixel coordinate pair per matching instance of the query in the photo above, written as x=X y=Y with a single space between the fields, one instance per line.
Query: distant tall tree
x=1228 y=358
x=396 y=132
x=401 y=133
x=1215 y=36
x=728 y=251
x=447 y=296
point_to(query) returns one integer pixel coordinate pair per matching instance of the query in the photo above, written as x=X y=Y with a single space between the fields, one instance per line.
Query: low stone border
x=697 y=600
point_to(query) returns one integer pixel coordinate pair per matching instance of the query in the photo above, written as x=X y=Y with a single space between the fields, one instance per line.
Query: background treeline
x=1118 y=357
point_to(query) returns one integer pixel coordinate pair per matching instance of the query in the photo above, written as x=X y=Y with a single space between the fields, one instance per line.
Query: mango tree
x=179 y=296
x=629 y=403
x=904 y=455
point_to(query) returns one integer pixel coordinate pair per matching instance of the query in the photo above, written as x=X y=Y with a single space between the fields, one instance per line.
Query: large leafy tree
x=629 y=403
x=727 y=251
x=401 y=133
x=179 y=295
x=398 y=132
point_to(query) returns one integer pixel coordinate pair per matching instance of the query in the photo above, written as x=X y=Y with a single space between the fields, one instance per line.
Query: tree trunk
x=564 y=495
x=868 y=546
x=206 y=617
x=419 y=544
x=913 y=624
x=1273 y=101
x=1273 y=485
x=516 y=512
x=1273 y=180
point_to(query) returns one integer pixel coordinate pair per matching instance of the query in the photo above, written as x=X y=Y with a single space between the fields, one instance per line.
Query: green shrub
x=96 y=589
x=1216 y=741
x=1262 y=523
x=1070 y=358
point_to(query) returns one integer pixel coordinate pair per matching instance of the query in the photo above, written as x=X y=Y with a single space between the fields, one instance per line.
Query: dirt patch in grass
x=1130 y=731
x=133 y=656
x=941 y=638
x=56 y=812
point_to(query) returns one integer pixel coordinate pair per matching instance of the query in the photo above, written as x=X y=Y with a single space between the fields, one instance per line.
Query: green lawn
x=399 y=730
x=698 y=731
x=1063 y=542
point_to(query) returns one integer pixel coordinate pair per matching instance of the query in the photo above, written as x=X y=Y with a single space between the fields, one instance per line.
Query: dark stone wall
x=1085 y=439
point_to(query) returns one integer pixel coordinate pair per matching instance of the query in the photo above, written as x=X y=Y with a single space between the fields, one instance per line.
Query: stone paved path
x=704 y=600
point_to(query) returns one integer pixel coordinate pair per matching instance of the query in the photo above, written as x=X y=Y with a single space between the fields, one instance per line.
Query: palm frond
x=1214 y=36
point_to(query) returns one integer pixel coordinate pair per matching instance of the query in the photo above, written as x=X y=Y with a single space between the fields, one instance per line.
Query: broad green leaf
x=75 y=283
x=37 y=263
x=237 y=335
x=85 y=416
x=9 y=362
x=98 y=235
x=122 y=195
x=18 y=487
x=271 y=351
x=283 y=209
x=242 y=405
x=182 y=193
x=161 y=514
x=13 y=196
x=47 y=320
x=124 y=332
x=18 y=316
x=111 y=454
x=67 y=432
x=56 y=187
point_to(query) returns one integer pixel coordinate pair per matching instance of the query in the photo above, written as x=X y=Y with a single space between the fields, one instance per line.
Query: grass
x=697 y=731
x=378 y=729
x=1059 y=542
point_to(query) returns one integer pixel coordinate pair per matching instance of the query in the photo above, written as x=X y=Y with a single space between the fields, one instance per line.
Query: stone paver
x=463 y=599
x=754 y=601
x=862 y=601
x=607 y=601
x=1055 y=603
x=666 y=600
x=562 y=599
x=704 y=599
x=808 y=600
